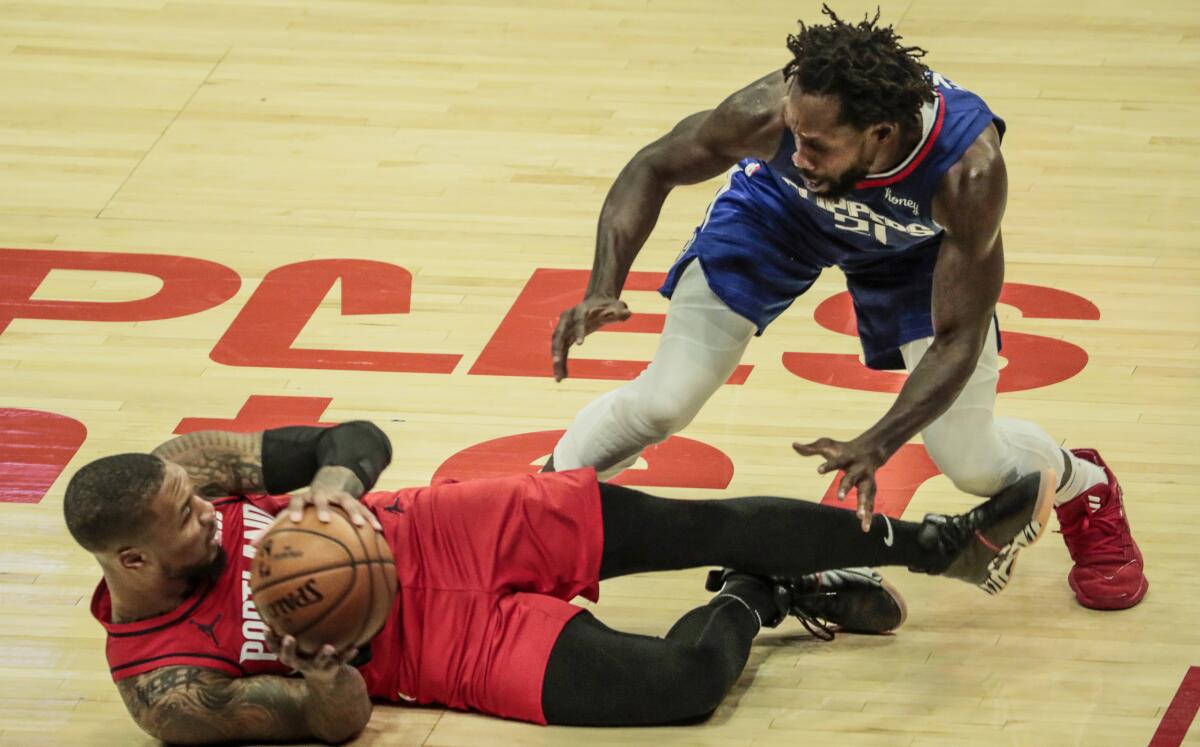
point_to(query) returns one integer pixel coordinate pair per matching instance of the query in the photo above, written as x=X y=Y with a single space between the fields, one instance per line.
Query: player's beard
x=201 y=573
x=844 y=184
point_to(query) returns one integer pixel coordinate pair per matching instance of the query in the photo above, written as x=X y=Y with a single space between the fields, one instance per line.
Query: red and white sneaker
x=1108 y=572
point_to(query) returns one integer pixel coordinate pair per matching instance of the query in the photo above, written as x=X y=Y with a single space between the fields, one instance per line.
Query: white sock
x=1084 y=475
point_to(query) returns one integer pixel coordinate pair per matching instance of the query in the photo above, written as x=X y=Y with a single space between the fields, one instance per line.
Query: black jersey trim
x=184 y=615
x=139 y=662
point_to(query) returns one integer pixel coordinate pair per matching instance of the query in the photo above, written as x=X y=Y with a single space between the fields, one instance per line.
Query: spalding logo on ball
x=323 y=583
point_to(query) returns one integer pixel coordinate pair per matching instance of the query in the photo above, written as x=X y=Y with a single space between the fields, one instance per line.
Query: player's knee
x=979 y=483
x=975 y=463
x=973 y=473
x=702 y=684
x=662 y=414
x=712 y=692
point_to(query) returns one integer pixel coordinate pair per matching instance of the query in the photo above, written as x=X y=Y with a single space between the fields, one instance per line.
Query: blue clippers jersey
x=766 y=239
x=890 y=213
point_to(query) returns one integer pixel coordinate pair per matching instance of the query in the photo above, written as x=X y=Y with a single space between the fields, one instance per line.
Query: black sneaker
x=981 y=546
x=856 y=600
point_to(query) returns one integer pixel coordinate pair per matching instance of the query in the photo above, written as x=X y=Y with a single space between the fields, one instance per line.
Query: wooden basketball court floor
x=188 y=187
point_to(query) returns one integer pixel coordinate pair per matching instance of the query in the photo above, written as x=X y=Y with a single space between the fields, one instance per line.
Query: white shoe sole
x=1000 y=569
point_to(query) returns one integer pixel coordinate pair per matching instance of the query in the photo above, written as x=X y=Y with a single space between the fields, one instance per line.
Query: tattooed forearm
x=151 y=688
x=192 y=705
x=220 y=463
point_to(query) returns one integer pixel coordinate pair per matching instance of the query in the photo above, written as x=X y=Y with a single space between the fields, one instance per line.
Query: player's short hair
x=863 y=65
x=106 y=500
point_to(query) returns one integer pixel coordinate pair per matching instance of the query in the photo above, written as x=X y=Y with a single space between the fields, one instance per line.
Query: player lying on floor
x=486 y=568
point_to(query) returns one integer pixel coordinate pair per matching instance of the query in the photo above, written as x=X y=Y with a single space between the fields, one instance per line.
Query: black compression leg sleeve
x=597 y=676
x=291 y=456
x=761 y=535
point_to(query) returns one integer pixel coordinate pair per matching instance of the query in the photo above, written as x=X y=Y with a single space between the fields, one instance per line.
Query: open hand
x=858 y=459
x=578 y=322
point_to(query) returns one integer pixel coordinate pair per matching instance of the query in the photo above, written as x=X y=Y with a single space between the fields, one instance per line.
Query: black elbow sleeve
x=292 y=455
x=289 y=457
x=358 y=445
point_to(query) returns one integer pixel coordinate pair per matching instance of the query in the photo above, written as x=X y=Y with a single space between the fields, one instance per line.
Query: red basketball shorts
x=486 y=571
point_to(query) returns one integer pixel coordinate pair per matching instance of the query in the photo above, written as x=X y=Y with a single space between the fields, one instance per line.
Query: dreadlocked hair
x=863 y=65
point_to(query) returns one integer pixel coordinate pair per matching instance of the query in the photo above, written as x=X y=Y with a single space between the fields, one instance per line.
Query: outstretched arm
x=701 y=146
x=966 y=285
x=747 y=123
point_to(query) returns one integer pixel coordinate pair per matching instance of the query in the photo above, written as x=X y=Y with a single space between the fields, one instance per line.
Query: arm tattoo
x=149 y=690
x=220 y=463
x=195 y=705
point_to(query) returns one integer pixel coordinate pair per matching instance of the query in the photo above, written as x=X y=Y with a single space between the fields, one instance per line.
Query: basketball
x=323 y=582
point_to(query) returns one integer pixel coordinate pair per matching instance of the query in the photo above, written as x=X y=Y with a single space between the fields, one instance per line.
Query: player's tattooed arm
x=220 y=463
x=344 y=459
x=193 y=705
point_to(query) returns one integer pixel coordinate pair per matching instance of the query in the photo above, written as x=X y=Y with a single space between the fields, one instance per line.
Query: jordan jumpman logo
x=208 y=629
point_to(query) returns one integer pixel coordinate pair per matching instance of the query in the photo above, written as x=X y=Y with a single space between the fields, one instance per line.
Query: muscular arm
x=966 y=285
x=347 y=458
x=748 y=123
x=192 y=705
x=220 y=463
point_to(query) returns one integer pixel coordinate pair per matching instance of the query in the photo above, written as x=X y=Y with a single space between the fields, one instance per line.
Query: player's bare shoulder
x=981 y=168
x=749 y=123
x=974 y=191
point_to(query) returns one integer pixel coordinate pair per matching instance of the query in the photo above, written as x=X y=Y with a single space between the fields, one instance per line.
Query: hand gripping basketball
x=321 y=498
x=324 y=664
x=321 y=582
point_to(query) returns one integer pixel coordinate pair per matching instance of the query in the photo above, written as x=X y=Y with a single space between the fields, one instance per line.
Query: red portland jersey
x=485 y=567
x=217 y=627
